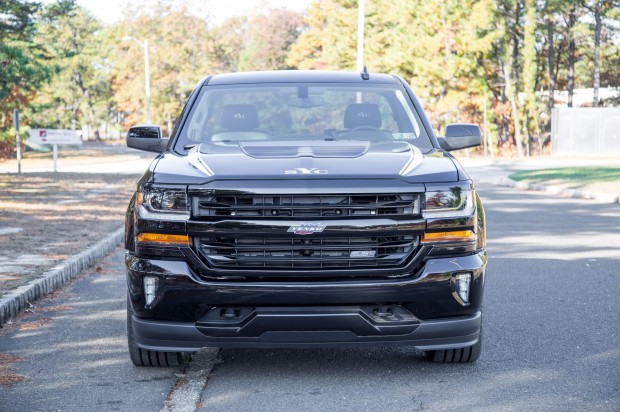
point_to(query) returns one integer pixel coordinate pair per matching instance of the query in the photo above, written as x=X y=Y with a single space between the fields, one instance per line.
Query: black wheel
x=461 y=355
x=143 y=357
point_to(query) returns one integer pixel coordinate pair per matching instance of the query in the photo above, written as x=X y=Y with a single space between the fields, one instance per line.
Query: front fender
x=481 y=224
x=130 y=224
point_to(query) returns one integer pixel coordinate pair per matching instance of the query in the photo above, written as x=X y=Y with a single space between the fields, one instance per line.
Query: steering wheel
x=365 y=128
x=362 y=132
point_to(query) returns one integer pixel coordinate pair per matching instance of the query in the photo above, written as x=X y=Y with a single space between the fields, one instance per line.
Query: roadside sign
x=54 y=136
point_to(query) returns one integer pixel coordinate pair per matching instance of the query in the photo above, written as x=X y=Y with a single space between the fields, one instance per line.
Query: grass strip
x=584 y=175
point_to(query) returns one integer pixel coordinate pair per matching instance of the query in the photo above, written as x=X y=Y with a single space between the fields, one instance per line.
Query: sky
x=110 y=11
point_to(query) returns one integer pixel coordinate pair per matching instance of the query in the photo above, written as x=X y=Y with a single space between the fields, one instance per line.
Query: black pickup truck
x=304 y=209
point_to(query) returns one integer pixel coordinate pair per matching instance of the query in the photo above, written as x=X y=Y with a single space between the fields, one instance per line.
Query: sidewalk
x=497 y=172
x=109 y=157
x=53 y=225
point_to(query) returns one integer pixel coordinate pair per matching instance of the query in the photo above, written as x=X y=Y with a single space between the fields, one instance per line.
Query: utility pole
x=147 y=81
x=18 y=140
x=360 y=35
x=485 y=126
x=147 y=75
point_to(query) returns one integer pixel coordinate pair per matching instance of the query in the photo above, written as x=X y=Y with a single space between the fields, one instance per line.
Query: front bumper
x=433 y=334
x=190 y=313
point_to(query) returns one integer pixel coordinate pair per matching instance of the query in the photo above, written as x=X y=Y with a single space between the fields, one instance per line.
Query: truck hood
x=308 y=160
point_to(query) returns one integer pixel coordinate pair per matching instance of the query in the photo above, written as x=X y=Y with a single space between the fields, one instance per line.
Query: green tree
x=78 y=93
x=441 y=47
x=601 y=10
x=226 y=44
x=530 y=71
x=24 y=64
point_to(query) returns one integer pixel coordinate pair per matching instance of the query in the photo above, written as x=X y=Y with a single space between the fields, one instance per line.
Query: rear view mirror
x=461 y=136
x=146 y=138
x=306 y=102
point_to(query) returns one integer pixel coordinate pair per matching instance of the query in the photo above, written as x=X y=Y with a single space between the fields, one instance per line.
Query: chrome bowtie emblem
x=306 y=228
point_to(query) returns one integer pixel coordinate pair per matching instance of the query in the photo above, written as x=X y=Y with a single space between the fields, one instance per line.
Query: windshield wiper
x=189 y=146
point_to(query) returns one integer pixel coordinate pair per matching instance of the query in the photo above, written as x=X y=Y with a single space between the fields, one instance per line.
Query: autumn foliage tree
x=440 y=47
x=62 y=66
x=178 y=55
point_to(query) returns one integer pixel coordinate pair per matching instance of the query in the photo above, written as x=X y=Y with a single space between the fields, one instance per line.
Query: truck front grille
x=307 y=253
x=306 y=206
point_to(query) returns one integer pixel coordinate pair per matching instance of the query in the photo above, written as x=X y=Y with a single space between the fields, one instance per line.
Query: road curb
x=22 y=297
x=578 y=194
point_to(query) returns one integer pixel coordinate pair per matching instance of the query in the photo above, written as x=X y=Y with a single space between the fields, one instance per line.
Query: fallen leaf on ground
x=5 y=359
x=34 y=324
x=7 y=375
x=57 y=308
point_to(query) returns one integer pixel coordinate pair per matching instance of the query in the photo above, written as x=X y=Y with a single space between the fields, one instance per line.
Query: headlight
x=163 y=200
x=453 y=202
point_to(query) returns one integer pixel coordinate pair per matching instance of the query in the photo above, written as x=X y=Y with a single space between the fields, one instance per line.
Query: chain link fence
x=585 y=131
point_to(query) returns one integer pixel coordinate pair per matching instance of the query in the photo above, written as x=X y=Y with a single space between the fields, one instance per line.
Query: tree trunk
x=530 y=69
x=515 y=37
x=597 y=52
x=512 y=96
x=572 y=19
x=89 y=101
x=512 y=79
x=551 y=62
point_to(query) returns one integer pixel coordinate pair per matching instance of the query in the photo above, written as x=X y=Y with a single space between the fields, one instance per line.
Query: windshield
x=302 y=112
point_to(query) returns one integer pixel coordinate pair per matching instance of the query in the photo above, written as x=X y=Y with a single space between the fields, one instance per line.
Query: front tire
x=468 y=354
x=144 y=357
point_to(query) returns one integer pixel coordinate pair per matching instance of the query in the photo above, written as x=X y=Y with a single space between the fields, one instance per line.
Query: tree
x=575 y=11
x=225 y=44
x=509 y=17
x=441 y=47
x=599 y=10
x=329 y=39
x=610 y=51
x=550 y=12
x=79 y=90
x=23 y=63
x=530 y=71
x=179 y=57
x=269 y=38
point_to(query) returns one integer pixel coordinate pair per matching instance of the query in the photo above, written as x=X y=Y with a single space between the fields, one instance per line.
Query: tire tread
x=144 y=357
x=467 y=354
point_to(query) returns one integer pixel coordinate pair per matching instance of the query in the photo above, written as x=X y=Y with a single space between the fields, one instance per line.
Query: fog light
x=150 y=289
x=463 y=280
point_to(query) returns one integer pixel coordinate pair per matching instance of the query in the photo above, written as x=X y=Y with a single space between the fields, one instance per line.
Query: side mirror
x=146 y=138
x=461 y=136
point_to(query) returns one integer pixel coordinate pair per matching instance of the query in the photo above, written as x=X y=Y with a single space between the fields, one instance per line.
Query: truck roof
x=299 y=76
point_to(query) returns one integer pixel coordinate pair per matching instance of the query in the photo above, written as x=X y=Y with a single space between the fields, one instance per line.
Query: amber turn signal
x=163 y=239
x=455 y=236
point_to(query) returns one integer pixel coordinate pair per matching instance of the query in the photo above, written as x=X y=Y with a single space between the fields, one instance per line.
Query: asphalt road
x=551 y=338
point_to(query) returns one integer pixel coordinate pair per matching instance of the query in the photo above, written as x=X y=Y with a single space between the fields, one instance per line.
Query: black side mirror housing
x=461 y=136
x=148 y=138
